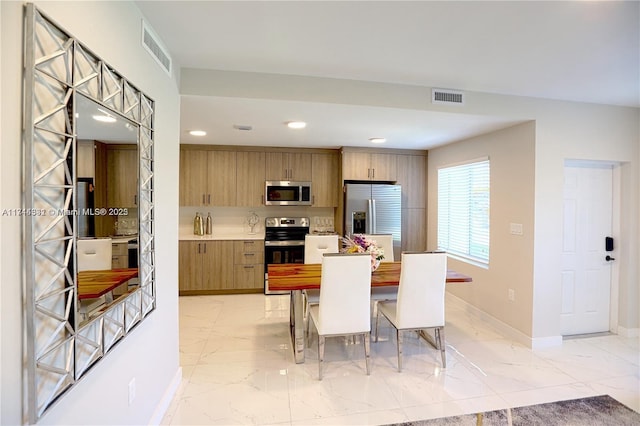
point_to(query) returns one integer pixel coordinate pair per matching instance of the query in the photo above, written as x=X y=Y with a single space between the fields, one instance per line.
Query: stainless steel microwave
x=287 y=193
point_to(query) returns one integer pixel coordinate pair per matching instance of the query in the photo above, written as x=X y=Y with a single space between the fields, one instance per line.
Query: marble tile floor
x=238 y=369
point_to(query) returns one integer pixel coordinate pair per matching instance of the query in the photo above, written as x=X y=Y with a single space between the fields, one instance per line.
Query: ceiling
x=577 y=51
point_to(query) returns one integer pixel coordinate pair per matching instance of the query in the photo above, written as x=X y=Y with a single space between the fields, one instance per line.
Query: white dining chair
x=94 y=254
x=420 y=303
x=315 y=246
x=345 y=294
x=384 y=241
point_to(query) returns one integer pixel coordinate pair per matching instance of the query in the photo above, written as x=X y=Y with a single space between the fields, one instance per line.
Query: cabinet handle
x=204 y=199
x=262 y=199
x=373 y=173
x=198 y=248
x=135 y=200
x=313 y=200
x=205 y=248
x=249 y=267
x=249 y=254
x=209 y=199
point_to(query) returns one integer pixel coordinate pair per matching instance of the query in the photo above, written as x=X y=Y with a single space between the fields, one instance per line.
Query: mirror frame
x=60 y=350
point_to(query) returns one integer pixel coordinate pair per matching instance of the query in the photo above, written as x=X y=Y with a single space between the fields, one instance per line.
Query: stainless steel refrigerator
x=86 y=219
x=374 y=209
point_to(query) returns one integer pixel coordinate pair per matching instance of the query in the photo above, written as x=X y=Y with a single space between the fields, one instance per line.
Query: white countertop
x=229 y=236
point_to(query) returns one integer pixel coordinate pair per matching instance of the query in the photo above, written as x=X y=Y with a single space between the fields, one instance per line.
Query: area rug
x=594 y=411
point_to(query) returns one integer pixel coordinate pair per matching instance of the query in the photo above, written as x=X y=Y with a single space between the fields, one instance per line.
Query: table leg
x=296 y=322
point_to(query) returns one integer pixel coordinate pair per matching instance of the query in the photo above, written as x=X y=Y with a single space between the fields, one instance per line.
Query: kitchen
x=228 y=182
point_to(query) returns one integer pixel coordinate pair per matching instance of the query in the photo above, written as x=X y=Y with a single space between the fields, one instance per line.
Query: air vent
x=152 y=45
x=446 y=96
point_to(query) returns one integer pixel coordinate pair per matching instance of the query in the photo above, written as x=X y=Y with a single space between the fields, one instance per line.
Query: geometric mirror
x=74 y=315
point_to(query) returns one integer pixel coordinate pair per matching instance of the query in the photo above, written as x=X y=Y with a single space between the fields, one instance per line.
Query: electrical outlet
x=132 y=390
x=512 y=295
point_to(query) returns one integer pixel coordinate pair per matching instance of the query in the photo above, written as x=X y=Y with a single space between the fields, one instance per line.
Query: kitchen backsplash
x=235 y=220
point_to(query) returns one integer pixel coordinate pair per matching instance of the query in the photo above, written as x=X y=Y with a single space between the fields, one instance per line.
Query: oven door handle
x=283 y=243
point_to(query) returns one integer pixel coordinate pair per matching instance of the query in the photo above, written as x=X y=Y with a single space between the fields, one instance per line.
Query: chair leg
x=399 y=338
x=377 y=320
x=440 y=340
x=367 y=351
x=320 y=355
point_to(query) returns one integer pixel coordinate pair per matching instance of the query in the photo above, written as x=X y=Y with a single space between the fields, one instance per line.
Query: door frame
x=614 y=292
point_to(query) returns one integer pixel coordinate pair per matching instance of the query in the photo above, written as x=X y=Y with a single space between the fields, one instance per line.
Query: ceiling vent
x=152 y=44
x=447 y=97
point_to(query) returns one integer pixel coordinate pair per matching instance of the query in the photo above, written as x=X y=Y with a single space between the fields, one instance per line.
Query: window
x=463 y=210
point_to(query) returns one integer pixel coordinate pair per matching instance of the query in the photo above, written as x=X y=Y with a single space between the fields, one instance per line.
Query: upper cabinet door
x=277 y=166
x=250 y=171
x=194 y=190
x=325 y=186
x=383 y=167
x=368 y=166
x=300 y=166
x=122 y=177
x=222 y=178
x=288 y=166
x=356 y=166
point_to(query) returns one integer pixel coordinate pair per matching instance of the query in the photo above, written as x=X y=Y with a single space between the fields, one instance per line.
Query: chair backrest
x=94 y=254
x=385 y=242
x=317 y=245
x=345 y=294
x=421 y=290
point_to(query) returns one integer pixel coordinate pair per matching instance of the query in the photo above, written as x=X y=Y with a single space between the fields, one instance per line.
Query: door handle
x=609 y=258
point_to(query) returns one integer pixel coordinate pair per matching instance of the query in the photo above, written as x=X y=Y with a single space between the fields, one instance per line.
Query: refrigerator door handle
x=374 y=220
x=369 y=216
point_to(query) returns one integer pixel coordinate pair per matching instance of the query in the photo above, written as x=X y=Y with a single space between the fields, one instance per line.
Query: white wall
x=569 y=130
x=150 y=353
x=511 y=153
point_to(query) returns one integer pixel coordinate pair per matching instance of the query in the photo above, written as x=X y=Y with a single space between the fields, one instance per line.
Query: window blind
x=463 y=210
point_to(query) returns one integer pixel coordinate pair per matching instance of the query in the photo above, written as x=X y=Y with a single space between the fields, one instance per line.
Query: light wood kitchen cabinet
x=250 y=169
x=122 y=176
x=119 y=255
x=412 y=175
x=207 y=178
x=358 y=165
x=288 y=166
x=86 y=159
x=414 y=229
x=325 y=180
x=205 y=267
x=249 y=265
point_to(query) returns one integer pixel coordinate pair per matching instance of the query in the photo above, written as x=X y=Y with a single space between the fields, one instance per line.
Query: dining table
x=296 y=277
x=93 y=284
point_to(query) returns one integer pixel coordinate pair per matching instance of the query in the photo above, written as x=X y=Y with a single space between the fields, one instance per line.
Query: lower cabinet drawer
x=119 y=261
x=249 y=276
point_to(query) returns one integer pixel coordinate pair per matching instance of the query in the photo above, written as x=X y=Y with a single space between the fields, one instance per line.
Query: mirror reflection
x=107 y=205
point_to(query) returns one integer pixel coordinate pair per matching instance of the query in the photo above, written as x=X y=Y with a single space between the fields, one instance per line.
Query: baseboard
x=628 y=332
x=164 y=403
x=506 y=329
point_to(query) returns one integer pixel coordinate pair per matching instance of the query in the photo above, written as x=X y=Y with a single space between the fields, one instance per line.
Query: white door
x=586 y=274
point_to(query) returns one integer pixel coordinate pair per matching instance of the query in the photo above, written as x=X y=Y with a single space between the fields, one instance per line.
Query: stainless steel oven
x=283 y=243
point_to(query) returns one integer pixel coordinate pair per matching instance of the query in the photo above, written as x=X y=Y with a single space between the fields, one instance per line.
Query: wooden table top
x=297 y=276
x=92 y=284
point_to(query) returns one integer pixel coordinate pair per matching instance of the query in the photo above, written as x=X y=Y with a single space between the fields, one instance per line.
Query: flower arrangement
x=358 y=243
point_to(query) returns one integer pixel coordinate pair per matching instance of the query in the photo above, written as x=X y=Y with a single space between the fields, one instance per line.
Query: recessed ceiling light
x=197 y=133
x=377 y=140
x=296 y=124
x=104 y=118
